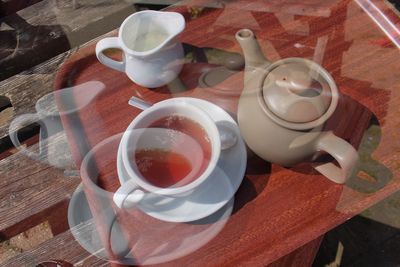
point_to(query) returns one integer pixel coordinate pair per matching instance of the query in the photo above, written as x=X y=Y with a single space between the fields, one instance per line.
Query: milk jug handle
x=342 y=151
x=107 y=43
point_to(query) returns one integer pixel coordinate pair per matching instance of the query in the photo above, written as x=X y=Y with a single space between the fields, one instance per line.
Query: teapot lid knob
x=297 y=91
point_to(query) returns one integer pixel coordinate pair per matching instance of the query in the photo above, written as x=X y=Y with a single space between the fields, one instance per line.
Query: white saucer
x=152 y=242
x=214 y=193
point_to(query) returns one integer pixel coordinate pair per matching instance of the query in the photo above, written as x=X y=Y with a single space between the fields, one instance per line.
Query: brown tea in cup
x=167 y=167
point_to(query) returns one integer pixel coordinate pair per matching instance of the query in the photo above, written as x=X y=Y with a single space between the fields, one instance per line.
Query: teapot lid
x=298 y=91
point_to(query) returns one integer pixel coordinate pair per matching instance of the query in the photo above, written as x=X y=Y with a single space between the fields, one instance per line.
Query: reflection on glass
x=142 y=234
x=53 y=146
x=388 y=27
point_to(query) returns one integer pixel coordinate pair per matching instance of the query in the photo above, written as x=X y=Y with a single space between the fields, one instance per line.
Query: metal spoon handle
x=139 y=103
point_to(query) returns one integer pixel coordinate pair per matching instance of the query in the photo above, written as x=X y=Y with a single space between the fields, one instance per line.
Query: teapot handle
x=342 y=151
x=106 y=43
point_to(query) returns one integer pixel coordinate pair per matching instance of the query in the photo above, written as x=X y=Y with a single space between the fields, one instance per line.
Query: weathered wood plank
x=8 y=7
x=25 y=89
x=90 y=19
x=29 y=192
x=30 y=189
x=62 y=247
x=48 y=28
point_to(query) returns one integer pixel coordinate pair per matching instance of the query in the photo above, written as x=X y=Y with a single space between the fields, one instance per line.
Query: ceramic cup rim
x=208 y=125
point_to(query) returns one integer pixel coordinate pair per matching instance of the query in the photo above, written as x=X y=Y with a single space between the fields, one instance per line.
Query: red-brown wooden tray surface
x=276 y=209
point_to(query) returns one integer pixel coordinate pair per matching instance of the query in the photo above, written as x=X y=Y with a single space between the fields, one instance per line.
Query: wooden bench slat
x=20 y=176
x=12 y=6
x=65 y=247
x=28 y=191
x=49 y=27
x=62 y=247
x=26 y=88
x=89 y=20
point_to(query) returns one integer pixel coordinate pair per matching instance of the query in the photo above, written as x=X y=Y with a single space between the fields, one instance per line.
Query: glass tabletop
x=296 y=103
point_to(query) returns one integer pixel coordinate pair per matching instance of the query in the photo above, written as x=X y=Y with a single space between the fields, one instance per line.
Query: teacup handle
x=128 y=195
x=343 y=152
x=227 y=134
x=106 y=43
x=18 y=123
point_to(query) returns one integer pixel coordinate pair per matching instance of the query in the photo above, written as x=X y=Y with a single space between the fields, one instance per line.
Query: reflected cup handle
x=118 y=246
x=342 y=151
x=18 y=123
x=128 y=195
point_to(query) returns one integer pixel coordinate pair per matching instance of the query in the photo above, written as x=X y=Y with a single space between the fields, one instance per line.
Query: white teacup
x=133 y=191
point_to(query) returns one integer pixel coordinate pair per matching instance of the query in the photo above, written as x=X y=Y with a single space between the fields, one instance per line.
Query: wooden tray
x=276 y=209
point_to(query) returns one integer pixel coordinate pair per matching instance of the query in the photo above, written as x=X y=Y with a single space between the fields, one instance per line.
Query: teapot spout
x=253 y=56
